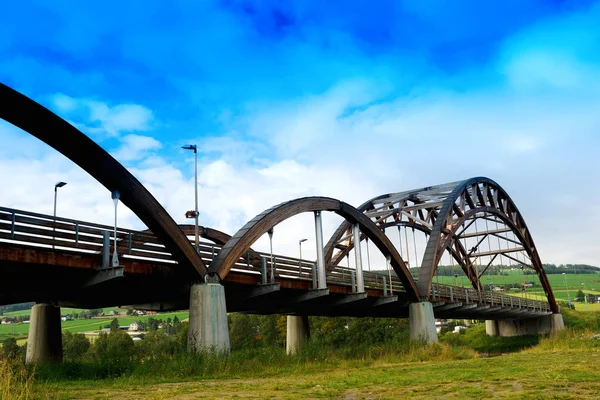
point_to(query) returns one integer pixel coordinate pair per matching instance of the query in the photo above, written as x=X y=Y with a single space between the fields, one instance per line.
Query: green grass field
x=63 y=311
x=567 y=373
x=77 y=326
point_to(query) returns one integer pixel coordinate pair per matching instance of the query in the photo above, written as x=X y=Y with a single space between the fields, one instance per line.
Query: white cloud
x=136 y=147
x=64 y=103
x=92 y=116
x=120 y=118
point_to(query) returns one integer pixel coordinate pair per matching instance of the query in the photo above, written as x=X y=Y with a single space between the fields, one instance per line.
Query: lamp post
x=56 y=186
x=196 y=213
x=300 y=246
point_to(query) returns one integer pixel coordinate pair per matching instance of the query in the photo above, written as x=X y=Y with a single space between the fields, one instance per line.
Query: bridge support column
x=208 y=328
x=491 y=327
x=422 y=322
x=527 y=326
x=44 y=344
x=557 y=322
x=298 y=331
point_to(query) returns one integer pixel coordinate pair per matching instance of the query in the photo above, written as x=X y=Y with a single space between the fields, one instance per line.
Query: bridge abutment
x=526 y=326
x=491 y=327
x=44 y=344
x=208 y=329
x=422 y=322
x=298 y=331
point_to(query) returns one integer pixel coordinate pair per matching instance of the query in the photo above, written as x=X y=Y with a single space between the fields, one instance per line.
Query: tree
x=10 y=348
x=114 y=325
x=580 y=296
x=75 y=346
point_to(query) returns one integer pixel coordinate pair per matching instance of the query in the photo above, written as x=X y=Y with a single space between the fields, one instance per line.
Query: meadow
x=443 y=370
x=21 y=330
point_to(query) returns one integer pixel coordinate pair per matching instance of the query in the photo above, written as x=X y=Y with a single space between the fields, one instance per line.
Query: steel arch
x=33 y=118
x=259 y=225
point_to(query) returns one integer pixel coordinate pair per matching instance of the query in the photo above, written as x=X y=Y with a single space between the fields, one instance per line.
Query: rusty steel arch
x=38 y=121
x=259 y=225
x=467 y=200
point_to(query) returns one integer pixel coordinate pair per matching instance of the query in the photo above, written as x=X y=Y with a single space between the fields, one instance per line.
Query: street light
x=196 y=213
x=56 y=186
x=300 y=246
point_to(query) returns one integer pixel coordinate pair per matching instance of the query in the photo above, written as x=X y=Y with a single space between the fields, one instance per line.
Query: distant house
x=134 y=326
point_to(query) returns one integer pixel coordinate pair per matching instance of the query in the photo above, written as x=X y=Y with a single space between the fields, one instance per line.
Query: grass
x=63 y=311
x=567 y=373
x=21 y=330
x=469 y=365
x=16 y=382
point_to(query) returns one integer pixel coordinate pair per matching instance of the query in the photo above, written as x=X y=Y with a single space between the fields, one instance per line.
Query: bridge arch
x=259 y=225
x=472 y=199
x=416 y=209
x=439 y=212
x=38 y=121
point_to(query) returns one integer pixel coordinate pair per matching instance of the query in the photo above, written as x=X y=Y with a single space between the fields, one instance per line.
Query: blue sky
x=296 y=98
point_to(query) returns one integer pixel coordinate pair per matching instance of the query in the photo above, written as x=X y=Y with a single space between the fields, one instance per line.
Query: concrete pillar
x=491 y=327
x=422 y=322
x=298 y=331
x=557 y=322
x=208 y=328
x=529 y=326
x=44 y=344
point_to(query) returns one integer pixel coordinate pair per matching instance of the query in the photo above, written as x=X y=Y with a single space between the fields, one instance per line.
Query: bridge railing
x=490 y=298
x=30 y=229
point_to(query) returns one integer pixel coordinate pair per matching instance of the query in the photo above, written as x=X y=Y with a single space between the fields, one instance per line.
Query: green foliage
x=475 y=338
x=114 y=353
x=75 y=346
x=10 y=349
x=114 y=325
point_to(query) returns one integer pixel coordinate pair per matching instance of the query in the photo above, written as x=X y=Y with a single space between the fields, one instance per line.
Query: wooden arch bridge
x=471 y=224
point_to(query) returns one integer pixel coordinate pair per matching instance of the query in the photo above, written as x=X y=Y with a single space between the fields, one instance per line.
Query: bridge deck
x=43 y=259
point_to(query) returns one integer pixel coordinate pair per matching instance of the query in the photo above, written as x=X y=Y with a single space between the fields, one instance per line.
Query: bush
x=75 y=346
x=10 y=348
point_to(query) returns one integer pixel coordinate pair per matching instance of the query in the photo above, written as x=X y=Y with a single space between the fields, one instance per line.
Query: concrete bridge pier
x=44 y=344
x=208 y=329
x=298 y=331
x=527 y=326
x=422 y=322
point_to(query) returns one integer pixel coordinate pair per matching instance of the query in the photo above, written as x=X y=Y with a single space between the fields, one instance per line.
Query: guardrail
x=26 y=228
x=493 y=299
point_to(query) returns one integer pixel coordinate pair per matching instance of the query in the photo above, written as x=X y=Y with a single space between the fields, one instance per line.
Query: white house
x=134 y=326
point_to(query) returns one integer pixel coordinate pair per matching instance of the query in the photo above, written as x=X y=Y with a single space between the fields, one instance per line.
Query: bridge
x=467 y=225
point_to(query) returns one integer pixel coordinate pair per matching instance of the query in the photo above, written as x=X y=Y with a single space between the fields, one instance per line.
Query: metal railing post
x=130 y=244
x=360 y=282
x=451 y=294
x=384 y=286
x=263 y=261
x=322 y=284
x=353 y=281
x=105 y=249
x=77 y=235
x=314 y=275
x=12 y=225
